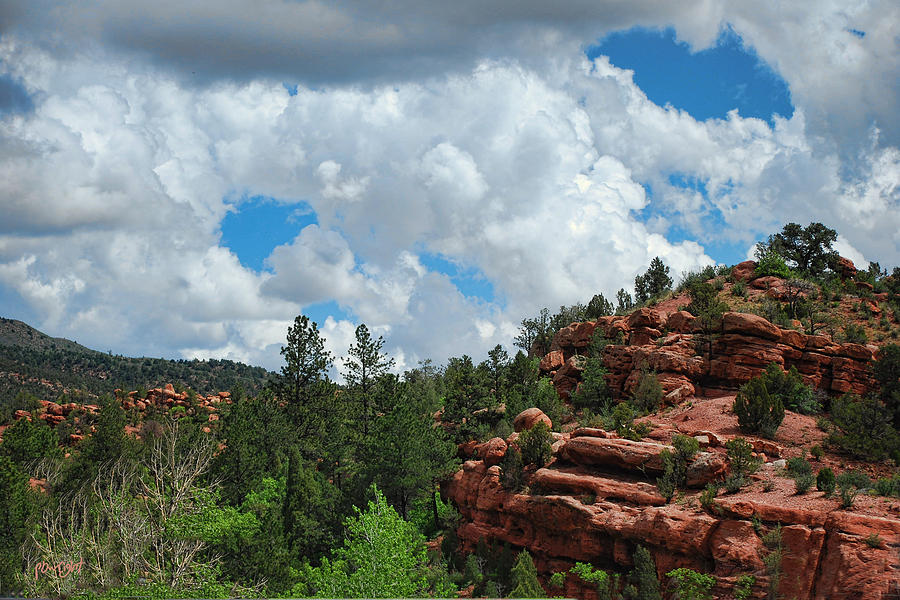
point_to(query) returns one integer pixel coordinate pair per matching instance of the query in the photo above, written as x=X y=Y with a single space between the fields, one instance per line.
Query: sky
x=182 y=179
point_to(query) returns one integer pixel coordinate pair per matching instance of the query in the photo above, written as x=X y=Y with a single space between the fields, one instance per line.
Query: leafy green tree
x=606 y=584
x=524 y=578
x=808 y=248
x=383 y=556
x=599 y=307
x=691 y=585
x=521 y=381
x=770 y=263
x=653 y=282
x=364 y=365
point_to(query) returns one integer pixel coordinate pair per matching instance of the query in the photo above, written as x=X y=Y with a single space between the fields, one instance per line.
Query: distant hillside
x=47 y=367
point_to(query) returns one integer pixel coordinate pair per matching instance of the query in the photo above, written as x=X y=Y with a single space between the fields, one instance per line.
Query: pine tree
x=644 y=575
x=364 y=365
x=524 y=578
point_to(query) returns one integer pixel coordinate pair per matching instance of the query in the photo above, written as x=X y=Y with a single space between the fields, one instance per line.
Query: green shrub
x=825 y=481
x=874 y=540
x=788 y=385
x=758 y=411
x=691 y=585
x=803 y=482
x=512 y=476
x=798 y=466
x=648 y=392
x=622 y=420
x=888 y=486
x=864 y=427
x=855 y=478
x=847 y=490
x=739 y=289
x=708 y=497
x=817 y=452
x=675 y=464
x=536 y=445
x=593 y=391
x=734 y=482
x=740 y=456
x=605 y=584
x=770 y=262
x=855 y=334
x=743 y=587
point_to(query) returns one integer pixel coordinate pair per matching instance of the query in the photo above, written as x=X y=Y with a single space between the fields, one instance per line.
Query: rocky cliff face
x=597 y=499
x=593 y=503
x=686 y=360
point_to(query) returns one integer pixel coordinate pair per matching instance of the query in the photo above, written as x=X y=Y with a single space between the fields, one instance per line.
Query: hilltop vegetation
x=47 y=368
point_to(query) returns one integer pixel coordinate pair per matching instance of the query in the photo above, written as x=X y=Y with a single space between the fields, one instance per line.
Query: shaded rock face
x=685 y=360
x=582 y=514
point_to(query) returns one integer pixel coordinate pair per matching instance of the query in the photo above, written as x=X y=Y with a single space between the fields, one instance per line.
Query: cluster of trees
x=301 y=488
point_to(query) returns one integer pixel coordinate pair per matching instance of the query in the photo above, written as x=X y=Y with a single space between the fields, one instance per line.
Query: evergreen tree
x=653 y=282
x=309 y=510
x=808 y=248
x=599 y=307
x=405 y=453
x=497 y=365
x=364 y=365
x=524 y=578
x=16 y=507
x=258 y=437
x=304 y=383
x=624 y=303
x=644 y=575
x=466 y=391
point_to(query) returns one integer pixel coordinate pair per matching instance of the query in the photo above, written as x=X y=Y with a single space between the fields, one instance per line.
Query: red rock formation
x=746 y=345
x=589 y=517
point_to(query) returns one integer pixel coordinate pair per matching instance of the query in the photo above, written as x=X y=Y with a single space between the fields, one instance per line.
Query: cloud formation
x=484 y=137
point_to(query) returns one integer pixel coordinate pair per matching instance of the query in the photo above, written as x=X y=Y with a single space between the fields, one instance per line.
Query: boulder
x=682 y=322
x=646 y=317
x=751 y=325
x=846 y=268
x=530 y=417
x=552 y=361
x=743 y=271
x=491 y=451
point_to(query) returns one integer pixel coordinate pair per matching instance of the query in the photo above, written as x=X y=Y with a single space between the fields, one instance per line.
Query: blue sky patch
x=706 y=84
x=259 y=225
x=13 y=97
x=322 y=310
x=471 y=282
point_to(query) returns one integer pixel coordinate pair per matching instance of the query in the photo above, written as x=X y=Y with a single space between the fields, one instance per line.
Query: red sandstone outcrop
x=583 y=516
x=742 y=349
